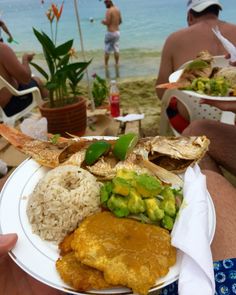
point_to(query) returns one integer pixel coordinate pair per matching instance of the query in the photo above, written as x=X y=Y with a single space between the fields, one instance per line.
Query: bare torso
x=113 y=19
x=5 y=95
x=200 y=37
x=185 y=44
x=12 y=71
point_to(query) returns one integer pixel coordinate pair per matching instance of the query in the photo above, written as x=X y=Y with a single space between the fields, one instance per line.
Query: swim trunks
x=112 y=42
x=225 y=279
x=19 y=103
x=178 y=122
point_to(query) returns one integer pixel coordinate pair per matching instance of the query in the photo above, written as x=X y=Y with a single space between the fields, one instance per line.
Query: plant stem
x=51 y=30
x=55 y=42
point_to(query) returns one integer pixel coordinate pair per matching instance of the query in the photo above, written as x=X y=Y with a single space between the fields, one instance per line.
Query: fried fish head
x=81 y=277
x=128 y=252
x=176 y=154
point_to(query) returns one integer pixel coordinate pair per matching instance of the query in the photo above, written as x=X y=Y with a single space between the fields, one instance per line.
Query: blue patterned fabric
x=225 y=278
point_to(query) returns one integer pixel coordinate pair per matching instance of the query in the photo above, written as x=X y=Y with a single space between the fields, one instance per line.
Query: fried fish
x=174 y=154
x=79 y=276
x=128 y=252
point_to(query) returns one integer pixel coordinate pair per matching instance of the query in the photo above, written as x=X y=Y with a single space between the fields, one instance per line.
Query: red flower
x=50 y=15
x=57 y=12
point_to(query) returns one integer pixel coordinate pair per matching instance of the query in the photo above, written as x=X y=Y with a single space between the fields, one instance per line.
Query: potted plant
x=64 y=105
x=100 y=90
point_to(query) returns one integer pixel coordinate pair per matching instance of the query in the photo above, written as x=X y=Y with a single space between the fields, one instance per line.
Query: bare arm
x=222 y=105
x=20 y=71
x=120 y=19
x=166 y=67
x=223 y=195
x=107 y=20
x=5 y=29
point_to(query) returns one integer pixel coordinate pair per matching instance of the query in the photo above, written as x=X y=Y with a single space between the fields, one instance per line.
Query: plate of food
x=66 y=242
x=201 y=78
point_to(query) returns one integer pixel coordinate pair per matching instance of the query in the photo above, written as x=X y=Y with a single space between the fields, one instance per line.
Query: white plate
x=174 y=78
x=37 y=257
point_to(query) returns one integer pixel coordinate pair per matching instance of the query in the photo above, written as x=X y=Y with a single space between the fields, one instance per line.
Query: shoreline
x=134 y=62
x=136 y=81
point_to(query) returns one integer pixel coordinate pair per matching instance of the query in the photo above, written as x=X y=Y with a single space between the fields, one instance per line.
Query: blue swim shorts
x=19 y=103
x=225 y=279
x=112 y=42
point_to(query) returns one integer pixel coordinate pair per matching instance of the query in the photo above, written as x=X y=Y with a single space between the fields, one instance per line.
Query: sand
x=138 y=95
x=136 y=77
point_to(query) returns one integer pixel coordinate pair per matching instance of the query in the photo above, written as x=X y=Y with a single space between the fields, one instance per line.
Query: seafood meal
x=200 y=76
x=109 y=205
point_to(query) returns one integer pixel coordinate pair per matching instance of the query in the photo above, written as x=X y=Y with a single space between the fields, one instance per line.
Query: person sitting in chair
x=185 y=45
x=19 y=75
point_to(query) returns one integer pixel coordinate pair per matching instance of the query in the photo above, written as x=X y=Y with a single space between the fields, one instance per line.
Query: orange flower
x=57 y=13
x=50 y=15
x=72 y=53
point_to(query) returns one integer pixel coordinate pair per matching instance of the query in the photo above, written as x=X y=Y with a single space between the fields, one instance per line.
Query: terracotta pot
x=71 y=118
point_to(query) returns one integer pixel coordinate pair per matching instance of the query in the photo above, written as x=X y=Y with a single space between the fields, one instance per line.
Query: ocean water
x=146 y=25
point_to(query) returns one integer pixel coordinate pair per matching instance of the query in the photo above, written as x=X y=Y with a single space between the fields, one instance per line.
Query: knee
x=195 y=128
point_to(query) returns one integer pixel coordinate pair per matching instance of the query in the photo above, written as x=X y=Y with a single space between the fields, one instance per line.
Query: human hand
x=13 y=279
x=10 y=39
x=222 y=105
x=227 y=56
x=7 y=242
x=28 y=57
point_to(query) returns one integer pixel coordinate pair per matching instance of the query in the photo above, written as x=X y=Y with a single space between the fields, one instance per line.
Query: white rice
x=61 y=199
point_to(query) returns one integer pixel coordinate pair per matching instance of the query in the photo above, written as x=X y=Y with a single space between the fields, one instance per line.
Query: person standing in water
x=112 y=21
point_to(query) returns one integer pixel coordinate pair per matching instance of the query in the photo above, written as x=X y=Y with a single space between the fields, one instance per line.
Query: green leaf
x=52 y=85
x=40 y=70
x=54 y=138
x=46 y=42
x=64 y=61
x=63 y=48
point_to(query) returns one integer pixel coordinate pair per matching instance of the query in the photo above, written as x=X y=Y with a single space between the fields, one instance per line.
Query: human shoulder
x=228 y=26
x=5 y=49
x=176 y=37
x=7 y=55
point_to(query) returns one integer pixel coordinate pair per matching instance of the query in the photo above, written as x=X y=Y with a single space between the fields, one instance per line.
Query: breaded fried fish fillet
x=65 y=245
x=79 y=276
x=128 y=252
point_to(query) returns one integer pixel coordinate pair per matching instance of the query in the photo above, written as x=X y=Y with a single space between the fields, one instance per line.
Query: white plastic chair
x=37 y=99
x=195 y=110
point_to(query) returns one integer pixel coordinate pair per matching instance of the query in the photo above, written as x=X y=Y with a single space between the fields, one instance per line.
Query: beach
x=144 y=29
x=136 y=81
x=138 y=95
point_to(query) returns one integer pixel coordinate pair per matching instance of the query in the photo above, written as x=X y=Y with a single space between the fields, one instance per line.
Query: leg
x=117 y=57
x=107 y=48
x=224 y=198
x=223 y=141
x=117 y=71
x=106 y=58
x=42 y=88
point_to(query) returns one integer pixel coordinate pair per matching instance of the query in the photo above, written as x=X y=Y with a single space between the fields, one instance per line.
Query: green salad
x=143 y=197
x=210 y=86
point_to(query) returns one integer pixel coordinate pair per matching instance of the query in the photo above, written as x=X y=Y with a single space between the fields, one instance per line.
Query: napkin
x=229 y=47
x=130 y=117
x=35 y=128
x=191 y=236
